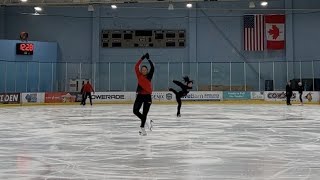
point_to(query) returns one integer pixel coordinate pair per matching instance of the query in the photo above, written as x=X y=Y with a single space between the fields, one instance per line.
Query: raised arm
x=137 y=67
x=150 y=74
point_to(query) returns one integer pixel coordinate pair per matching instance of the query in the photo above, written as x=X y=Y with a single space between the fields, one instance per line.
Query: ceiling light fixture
x=38 y=9
x=170 y=7
x=251 y=4
x=90 y=8
x=264 y=3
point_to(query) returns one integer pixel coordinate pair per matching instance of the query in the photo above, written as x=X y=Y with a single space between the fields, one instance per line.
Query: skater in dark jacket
x=300 y=89
x=82 y=93
x=289 y=92
x=185 y=87
x=144 y=91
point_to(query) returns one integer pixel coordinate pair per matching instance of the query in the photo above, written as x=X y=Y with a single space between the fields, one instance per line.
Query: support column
x=192 y=34
x=290 y=39
x=2 y=22
x=95 y=45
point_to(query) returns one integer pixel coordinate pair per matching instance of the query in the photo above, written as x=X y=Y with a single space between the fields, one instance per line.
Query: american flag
x=254 y=39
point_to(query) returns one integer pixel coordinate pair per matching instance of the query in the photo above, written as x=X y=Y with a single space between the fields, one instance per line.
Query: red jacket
x=87 y=88
x=144 y=82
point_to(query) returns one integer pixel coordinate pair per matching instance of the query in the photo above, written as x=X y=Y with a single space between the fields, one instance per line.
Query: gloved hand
x=143 y=57
x=147 y=56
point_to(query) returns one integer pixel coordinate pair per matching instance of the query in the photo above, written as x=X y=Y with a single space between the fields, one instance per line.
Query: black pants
x=288 y=99
x=84 y=99
x=300 y=97
x=146 y=101
x=179 y=95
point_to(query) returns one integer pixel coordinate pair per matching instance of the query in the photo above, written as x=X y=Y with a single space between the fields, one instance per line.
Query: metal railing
x=120 y=76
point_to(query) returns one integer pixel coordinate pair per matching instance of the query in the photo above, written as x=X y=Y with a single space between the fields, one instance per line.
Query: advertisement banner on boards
x=236 y=95
x=163 y=96
x=307 y=96
x=32 y=97
x=204 y=96
x=77 y=95
x=9 y=98
x=257 y=95
x=113 y=96
x=59 y=97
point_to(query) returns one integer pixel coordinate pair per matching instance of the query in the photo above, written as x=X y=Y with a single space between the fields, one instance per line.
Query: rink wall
x=311 y=97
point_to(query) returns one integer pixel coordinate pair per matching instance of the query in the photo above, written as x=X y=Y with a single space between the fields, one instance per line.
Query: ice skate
x=149 y=124
x=142 y=132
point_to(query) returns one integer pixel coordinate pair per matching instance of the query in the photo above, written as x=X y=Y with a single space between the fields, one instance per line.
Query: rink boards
x=163 y=96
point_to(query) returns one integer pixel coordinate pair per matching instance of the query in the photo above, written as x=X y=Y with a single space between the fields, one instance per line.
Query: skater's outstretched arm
x=180 y=84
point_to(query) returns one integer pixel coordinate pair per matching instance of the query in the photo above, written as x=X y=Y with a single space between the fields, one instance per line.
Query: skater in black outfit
x=300 y=89
x=144 y=91
x=82 y=93
x=289 y=92
x=184 y=91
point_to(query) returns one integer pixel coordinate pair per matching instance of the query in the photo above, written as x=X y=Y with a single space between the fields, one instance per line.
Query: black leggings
x=146 y=100
x=288 y=99
x=300 y=97
x=82 y=98
x=179 y=95
x=85 y=96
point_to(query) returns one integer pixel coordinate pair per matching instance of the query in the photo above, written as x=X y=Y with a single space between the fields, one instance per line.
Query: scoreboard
x=143 y=38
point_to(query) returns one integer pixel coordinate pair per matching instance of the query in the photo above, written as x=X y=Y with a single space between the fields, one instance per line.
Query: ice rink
x=239 y=142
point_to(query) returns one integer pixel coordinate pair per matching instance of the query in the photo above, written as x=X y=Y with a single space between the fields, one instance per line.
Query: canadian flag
x=275 y=31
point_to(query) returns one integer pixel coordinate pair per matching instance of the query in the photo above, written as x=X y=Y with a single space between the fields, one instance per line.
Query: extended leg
x=174 y=91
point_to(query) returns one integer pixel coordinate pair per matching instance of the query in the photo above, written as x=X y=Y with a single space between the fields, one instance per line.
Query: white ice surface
x=238 y=142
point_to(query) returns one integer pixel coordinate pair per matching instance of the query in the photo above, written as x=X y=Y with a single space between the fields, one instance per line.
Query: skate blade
x=141 y=134
x=151 y=125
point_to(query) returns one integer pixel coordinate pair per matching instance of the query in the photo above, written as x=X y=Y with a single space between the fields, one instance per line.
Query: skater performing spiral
x=185 y=87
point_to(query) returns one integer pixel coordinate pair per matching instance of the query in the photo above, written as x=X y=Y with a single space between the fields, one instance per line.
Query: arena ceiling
x=86 y=2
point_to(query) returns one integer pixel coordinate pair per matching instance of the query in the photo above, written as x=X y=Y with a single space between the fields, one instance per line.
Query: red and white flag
x=254 y=37
x=275 y=32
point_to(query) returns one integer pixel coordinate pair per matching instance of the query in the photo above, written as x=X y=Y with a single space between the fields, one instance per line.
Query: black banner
x=9 y=98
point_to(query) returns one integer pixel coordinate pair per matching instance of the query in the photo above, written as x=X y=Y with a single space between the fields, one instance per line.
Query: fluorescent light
x=37 y=9
x=113 y=6
x=264 y=3
x=90 y=8
x=23 y=0
x=189 y=5
x=251 y=4
x=170 y=7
